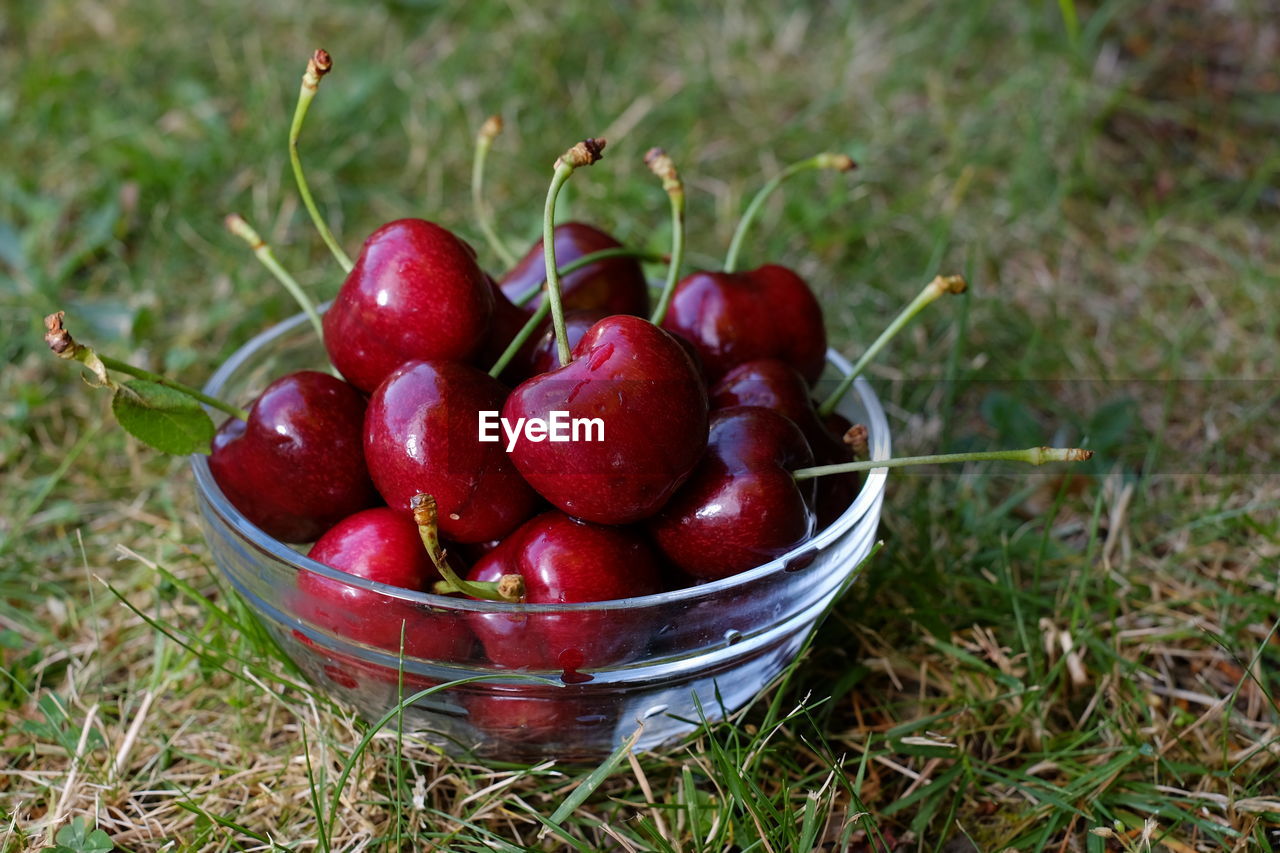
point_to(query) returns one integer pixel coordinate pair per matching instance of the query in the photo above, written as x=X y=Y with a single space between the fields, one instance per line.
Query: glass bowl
x=703 y=651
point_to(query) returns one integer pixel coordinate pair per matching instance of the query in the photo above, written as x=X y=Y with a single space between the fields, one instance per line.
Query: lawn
x=1033 y=661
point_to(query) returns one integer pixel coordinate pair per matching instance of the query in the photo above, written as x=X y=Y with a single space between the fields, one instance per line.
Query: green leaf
x=76 y=837
x=166 y=419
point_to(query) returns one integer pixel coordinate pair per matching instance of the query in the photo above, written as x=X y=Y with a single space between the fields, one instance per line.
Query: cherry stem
x=65 y=346
x=1032 y=456
x=526 y=331
x=662 y=166
x=826 y=160
x=509 y=588
x=484 y=141
x=932 y=291
x=319 y=65
x=242 y=229
x=584 y=153
x=603 y=254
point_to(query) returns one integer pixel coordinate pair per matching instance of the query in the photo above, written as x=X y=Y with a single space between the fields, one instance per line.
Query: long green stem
x=484 y=141
x=509 y=588
x=840 y=162
x=573 y=266
x=1032 y=456
x=122 y=367
x=242 y=229
x=932 y=291
x=65 y=346
x=583 y=154
x=526 y=331
x=662 y=166
x=318 y=66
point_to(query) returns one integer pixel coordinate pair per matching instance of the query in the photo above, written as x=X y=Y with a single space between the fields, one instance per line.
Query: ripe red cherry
x=565 y=561
x=567 y=716
x=741 y=507
x=415 y=293
x=732 y=318
x=380 y=545
x=612 y=285
x=422 y=437
x=776 y=385
x=296 y=467
x=642 y=385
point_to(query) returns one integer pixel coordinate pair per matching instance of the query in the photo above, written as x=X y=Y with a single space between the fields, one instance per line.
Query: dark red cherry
x=568 y=716
x=565 y=561
x=380 y=545
x=633 y=387
x=415 y=293
x=297 y=466
x=835 y=491
x=741 y=507
x=732 y=318
x=776 y=385
x=612 y=285
x=422 y=437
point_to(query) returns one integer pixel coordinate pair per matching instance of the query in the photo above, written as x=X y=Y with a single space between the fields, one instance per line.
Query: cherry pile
x=704 y=453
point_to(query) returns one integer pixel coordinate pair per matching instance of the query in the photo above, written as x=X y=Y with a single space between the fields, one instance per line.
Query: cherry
x=776 y=385
x=422 y=436
x=742 y=506
x=415 y=292
x=731 y=318
x=295 y=467
x=569 y=715
x=565 y=561
x=613 y=285
x=845 y=442
x=641 y=384
x=380 y=545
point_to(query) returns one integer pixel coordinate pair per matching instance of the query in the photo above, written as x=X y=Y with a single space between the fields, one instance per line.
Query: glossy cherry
x=640 y=383
x=741 y=507
x=732 y=318
x=422 y=436
x=296 y=467
x=612 y=285
x=415 y=293
x=380 y=545
x=776 y=385
x=565 y=561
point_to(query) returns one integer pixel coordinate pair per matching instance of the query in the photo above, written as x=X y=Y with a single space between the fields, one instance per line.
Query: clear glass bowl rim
x=872 y=486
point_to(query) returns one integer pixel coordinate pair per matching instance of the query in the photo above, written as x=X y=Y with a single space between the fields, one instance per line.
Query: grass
x=1034 y=662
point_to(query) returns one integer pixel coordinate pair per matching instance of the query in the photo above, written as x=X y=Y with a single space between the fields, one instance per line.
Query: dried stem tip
x=837 y=162
x=490 y=129
x=237 y=225
x=320 y=64
x=856 y=440
x=57 y=337
x=944 y=284
x=424 y=510
x=584 y=153
x=661 y=165
x=511 y=587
